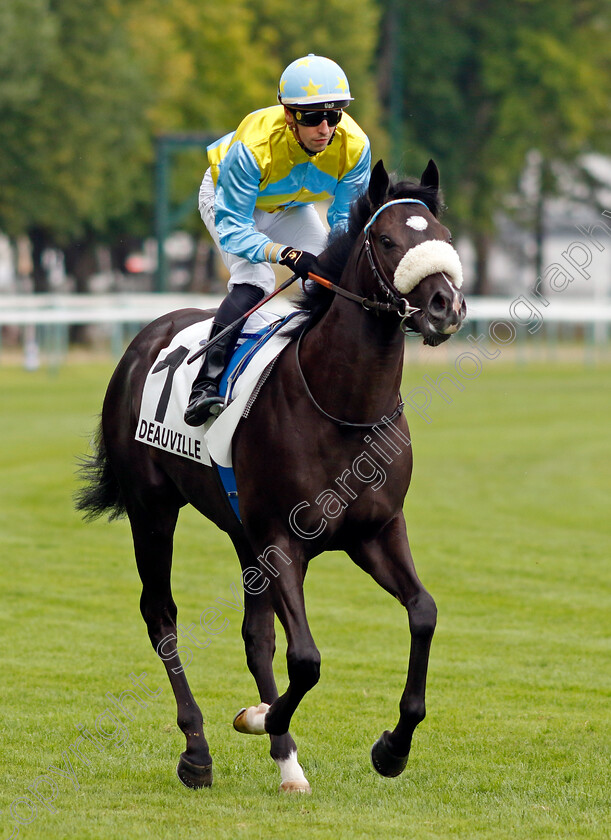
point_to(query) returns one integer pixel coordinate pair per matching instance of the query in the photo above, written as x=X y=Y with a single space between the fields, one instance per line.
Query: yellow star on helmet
x=304 y=62
x=311 y=89
x=342 y=84
x=282 y=85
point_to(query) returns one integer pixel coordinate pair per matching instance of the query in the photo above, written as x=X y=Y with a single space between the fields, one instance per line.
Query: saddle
x=168 y=385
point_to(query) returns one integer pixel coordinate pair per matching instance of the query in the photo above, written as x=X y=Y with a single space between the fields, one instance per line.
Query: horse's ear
x=378 y=185
x=430 y=176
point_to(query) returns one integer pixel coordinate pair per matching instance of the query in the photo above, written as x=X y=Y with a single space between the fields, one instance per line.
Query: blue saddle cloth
x=242 y=355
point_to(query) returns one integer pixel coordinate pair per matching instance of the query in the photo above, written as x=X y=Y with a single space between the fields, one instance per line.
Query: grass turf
x=508 y=521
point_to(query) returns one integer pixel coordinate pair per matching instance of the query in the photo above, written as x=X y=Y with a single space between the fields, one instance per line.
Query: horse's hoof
x=251 y=721
x=295 y=787
x=194 y=776
x=384 y=761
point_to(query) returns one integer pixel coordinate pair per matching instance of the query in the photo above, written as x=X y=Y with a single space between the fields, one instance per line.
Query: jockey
x=256 y=199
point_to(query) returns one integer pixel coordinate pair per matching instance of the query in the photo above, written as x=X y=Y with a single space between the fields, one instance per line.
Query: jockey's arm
x=236 y=193
x=348 y=188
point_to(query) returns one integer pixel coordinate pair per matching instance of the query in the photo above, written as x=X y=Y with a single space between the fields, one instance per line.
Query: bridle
x=385 y=285
x=395 y=303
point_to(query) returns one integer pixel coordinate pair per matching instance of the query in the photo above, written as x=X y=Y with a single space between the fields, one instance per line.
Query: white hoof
x=295 y=787
x=251 y=721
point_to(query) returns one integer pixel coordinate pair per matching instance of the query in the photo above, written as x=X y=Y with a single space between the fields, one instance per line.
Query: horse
x=333 y=389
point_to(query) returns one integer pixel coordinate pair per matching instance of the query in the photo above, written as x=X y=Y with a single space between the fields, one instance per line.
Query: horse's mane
x=315 y=299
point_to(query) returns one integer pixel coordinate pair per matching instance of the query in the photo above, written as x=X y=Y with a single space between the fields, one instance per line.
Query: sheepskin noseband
x=430 y=257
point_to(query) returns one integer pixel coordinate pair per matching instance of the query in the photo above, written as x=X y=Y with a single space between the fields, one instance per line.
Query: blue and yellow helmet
x=314 y=82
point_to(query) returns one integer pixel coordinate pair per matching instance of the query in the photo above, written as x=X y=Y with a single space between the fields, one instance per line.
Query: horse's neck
x=355 y=357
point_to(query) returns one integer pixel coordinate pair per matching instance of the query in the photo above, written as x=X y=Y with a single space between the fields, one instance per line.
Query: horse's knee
x=422 y=612
x=304 y=668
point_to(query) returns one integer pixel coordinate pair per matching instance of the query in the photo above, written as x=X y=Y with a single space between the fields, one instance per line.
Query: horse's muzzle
x=445 y=311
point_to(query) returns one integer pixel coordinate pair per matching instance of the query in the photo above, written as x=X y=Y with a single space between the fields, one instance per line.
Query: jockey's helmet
x=314 y=82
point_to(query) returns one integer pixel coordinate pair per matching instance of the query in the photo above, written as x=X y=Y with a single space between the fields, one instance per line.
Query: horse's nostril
x=439 y=305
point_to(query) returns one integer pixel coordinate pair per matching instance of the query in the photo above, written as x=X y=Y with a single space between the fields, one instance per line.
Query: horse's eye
x=386 y=241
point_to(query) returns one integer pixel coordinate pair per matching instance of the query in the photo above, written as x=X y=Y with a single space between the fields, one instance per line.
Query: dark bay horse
x=322 y=462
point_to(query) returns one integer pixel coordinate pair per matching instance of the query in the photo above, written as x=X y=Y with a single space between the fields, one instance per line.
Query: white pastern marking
x=417 y=222
x=291 y=770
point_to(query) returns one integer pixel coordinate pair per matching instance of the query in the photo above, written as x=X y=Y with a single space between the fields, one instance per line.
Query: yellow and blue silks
x=261 y=166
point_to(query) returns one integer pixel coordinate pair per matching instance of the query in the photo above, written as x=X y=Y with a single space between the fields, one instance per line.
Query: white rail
x=21 y=310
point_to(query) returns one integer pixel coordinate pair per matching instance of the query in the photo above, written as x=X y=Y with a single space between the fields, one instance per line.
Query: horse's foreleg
x=260 y=645
x=388 y=560
x=153 y=532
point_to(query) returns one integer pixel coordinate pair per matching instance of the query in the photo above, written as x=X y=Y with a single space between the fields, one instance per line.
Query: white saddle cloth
x=168 y=386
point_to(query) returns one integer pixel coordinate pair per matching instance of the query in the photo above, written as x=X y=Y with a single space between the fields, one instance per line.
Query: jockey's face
x=315 y=138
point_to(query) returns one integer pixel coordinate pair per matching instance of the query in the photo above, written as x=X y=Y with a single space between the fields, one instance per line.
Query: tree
x=203 y=75
x=209 y=64
x=79 y=113
x=73 y=135
x=346 y=31
x=22 y=22
x=485 y=84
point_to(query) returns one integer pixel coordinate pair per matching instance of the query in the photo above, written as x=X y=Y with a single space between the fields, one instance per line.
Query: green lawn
x=508 y=519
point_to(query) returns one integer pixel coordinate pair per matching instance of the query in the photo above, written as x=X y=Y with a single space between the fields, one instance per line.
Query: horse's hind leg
x=302 y=657
x=153 y=532
x=260 y=644
x=388 y=560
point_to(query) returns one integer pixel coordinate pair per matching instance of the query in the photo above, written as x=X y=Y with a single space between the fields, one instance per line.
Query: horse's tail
x=101 y=493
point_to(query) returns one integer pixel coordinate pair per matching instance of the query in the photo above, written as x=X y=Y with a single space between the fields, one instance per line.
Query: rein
x=401 y=306
x=397 y=304
x=383 y=421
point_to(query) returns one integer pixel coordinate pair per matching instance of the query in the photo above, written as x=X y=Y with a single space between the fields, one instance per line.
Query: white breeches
x=300 y=227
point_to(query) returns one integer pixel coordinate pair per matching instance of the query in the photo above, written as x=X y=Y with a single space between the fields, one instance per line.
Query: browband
x=390 y=204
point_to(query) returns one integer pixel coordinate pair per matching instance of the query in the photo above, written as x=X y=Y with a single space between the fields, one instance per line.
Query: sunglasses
x=312 y=118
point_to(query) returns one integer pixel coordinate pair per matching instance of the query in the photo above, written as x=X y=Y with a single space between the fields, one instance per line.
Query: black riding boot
x=205 y=401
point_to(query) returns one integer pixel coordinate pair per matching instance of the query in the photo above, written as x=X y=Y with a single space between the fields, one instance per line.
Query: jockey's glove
x=300 y=262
